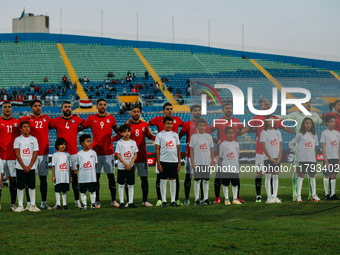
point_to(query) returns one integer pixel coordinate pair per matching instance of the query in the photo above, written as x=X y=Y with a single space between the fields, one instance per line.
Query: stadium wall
x=64 y=38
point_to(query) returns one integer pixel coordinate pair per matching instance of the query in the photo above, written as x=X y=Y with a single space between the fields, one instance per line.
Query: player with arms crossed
x=330 y=145
x=39 y=129
x=139 y=131
x=101 y=126
x=307 y=141
x=67 y=127
x=9 y=130
x=202 y=157
x=158 y=122
x=168 y=156
x=190 y=128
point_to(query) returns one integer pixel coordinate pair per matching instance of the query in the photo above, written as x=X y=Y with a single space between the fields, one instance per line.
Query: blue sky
x=305 y=28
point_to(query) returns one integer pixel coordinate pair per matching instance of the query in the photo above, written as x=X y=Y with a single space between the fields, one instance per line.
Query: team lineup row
x=22 y=155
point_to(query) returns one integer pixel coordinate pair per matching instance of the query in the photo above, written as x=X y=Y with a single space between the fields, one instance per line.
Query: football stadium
x=114 y=141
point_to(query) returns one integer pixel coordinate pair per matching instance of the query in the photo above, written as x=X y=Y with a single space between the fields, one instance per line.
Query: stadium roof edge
x=65 y=38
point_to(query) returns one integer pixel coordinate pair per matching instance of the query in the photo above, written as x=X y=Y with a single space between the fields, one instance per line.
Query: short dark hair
x=24 y=122
x=266 y=122
x=328 y=118
x=60 y=141
x=226 y=105
x=124 y=127
x=66 y=102
x=35 y=101
x=100 y=100
x=83 y=137
x=228 y=128
x=7 y=102
x=335 y=103
x=194 y=107
x=136 y=106
x=167 y=119
x=166 y=104
x=201 y=121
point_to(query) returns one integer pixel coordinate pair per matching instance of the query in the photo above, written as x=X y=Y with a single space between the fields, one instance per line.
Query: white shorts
x=73 y=162
x=188 y=167
x=107 y=163
x=142 y=169
x=259 y=162
x=9 y=168
x=42 y=165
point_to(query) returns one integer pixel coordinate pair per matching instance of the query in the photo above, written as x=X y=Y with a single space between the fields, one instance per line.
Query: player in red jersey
x=39 y=129
x=220 y=125
x=101 y=125
x=336 y=114
x=67 y=127
x=259 y=121
x=140 y=130
x=158 y=122
x=9 y=130
x=189 y=128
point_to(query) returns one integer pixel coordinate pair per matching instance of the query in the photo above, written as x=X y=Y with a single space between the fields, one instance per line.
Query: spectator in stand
x=50 y=91
x=129 y=74
x=156 y=90
x=75 y=85
x=23 y=85
x=64 y=79
x=55 y=100
x=108 y=95
x=170 y=89
x=45 y=79
x=147 y=103
x=178 y=90
x=151 y=96
x=107 y=81
x=145 y=86
x=80 y=79
x=20 y=97
x=109 y=75
x=134 y=76
x=30 y=97
x=131 y=86
x=122 y=81
x=90 y=96
x=77 y=97
x=86 y=79
x=97 y=94
x=124 y=90
x=39 y=90
x=180 y=99
x=15 y=94
x=146 y=74
x=188 y=91
x=52 y=87
x=188 y=82
x=34 y=97
x=32 y=86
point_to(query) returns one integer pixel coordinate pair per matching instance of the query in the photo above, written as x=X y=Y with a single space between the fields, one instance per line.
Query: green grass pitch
x=250 y=228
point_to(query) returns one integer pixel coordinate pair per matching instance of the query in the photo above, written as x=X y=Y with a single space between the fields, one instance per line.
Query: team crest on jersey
x=91 y=156
x=15 y=125
x=44 y=119
x=174 y=121
x=143 y=128
x=73 y=121
x=107 y=120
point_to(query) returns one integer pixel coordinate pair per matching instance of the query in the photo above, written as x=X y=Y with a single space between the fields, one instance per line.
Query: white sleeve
x=35 y=145
x=316 y=140
x=118 y=148
x=158 y=140
x=211 y=142
x=95 y=157
x=135 y=148
x=221 y=150
x=323 y=138
x=280 y=136
x=16 y=143
x=293 y=142
x=177 y=140
x=77 y=159
x=192 y=141
x=263 y=136
x=53 y=160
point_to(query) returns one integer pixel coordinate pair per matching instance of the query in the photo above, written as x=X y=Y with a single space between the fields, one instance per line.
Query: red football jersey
x=39 y=129
x=68 y=129
x=9 y=130
x=221 y=125
x=158 y=122
x=139 y=131
x=259 y=120
x=337 y=121
x=102 y=132
x=189 y=128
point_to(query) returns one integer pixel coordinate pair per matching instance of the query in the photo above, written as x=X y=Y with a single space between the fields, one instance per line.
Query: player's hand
x=53 y=179
x=179 y=167
x=1 y=184
x=107 y=114
x=160 y=168
x=327 y=163
x=71 y=180
x=272 y=160
x=26 y=169
x=129 y=121
x=75 y=114
x=193 y=166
